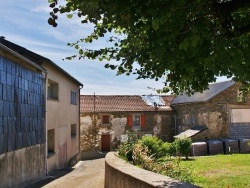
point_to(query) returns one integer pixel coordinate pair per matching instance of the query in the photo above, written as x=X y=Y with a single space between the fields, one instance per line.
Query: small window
x=105 y=119
x=52 y=90
x=51 y=142
x=136 y=122
x=73 y=130
x=73 y=97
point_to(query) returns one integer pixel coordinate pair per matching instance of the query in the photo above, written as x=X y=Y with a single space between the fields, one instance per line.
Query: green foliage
x=188 y=43
x=183 y=146
x=125 y=150
x=151 y=153
x=156 y=146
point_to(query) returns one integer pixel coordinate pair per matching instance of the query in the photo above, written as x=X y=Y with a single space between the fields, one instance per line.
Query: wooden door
x=106 y=142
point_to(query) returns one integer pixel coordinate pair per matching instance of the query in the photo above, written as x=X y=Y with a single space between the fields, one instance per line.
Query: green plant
x=142 y=157
x=183 y=146
x=156 y=146
x=125 y=150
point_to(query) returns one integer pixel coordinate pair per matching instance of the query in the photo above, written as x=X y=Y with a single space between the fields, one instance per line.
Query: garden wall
x=119 y=173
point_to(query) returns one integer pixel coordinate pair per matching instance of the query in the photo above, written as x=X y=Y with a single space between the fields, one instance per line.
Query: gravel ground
x=85 y=174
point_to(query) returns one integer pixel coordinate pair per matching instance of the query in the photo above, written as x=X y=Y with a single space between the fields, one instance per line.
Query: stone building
x=219 y=112
x=105 y=119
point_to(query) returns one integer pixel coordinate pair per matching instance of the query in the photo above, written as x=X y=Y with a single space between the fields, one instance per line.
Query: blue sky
x=24 y=22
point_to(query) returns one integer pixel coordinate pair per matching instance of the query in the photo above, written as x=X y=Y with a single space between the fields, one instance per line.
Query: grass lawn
x=227 y=171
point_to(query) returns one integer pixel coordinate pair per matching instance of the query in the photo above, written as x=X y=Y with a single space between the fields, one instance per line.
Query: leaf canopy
x=188 y=43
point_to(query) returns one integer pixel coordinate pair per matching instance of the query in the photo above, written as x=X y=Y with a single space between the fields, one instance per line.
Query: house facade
x=22 y=118
x=40 y=120
x=221 y=109
x=105 y=119
x=63 y=118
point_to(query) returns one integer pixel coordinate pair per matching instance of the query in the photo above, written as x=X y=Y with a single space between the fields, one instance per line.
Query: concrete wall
x=22 y=166
x=60 y=116
x=157 y=123
x=215 y=114
x=119 y=173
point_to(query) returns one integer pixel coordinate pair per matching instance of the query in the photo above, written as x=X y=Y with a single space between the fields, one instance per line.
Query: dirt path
x=86 y=174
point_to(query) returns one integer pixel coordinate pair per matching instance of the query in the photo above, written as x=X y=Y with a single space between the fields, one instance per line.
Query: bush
x=125 y=150
x=151 y=153
x=156 y=146
x=183 y=146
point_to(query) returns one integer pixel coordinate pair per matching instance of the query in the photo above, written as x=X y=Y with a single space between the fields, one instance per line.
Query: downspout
x=79 y=149
x=175 y=131
x=46 y=124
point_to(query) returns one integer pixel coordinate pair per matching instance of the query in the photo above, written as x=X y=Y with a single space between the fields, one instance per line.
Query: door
x=106 y=142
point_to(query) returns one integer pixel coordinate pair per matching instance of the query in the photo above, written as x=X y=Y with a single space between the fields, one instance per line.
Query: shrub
x=157 y=148
x=151 y=153
x=142 y=157
x=125 y=150
x=183 y=146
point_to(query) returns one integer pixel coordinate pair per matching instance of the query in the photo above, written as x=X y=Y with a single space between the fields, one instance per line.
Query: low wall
x=119 y=173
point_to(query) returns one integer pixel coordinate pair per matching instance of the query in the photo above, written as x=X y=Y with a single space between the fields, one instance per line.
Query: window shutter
x=130 y=120
x=143 y=121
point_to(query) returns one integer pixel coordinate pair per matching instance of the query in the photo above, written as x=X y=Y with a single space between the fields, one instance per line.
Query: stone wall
x=157 y=123
x=215 y=114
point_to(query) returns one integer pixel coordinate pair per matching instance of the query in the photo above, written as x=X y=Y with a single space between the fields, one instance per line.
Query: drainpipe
x=175 y=131
x=79 y=123
x=46 y=123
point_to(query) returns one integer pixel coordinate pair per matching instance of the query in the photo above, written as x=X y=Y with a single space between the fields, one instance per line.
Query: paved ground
x=86 y=174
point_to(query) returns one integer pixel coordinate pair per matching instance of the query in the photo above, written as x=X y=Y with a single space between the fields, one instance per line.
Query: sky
x=24 y=22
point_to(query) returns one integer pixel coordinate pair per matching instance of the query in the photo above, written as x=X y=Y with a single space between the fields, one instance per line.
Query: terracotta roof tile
x=118 y=103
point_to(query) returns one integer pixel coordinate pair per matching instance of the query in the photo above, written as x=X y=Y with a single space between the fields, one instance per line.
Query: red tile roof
x=120 y=103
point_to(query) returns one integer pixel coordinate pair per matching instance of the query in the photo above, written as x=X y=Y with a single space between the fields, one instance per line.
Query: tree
x=188 y=43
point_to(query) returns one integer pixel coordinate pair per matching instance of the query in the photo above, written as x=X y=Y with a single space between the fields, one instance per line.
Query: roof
x=212 y=91
x=33 y=57
x=121 y=103
x=191 y=132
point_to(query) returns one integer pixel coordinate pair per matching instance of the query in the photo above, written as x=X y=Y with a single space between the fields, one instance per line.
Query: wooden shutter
x=143 y=121
x=130 y=120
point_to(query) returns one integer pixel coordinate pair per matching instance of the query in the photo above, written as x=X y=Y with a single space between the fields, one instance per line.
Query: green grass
x=227 y=171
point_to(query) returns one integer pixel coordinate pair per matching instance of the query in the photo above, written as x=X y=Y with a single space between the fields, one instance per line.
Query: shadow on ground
x=92 y=155
x=51 y=177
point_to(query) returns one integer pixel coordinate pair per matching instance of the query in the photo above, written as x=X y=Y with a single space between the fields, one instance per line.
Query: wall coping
x=152 y=179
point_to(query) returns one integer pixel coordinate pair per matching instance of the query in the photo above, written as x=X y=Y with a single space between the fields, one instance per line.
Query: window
x=73 y=130
x=51 y=142
x=136 y=121
x=52 y=90
x=105 y=119
x=73 y=97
